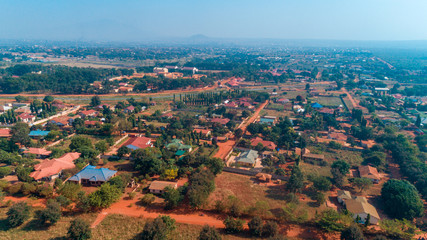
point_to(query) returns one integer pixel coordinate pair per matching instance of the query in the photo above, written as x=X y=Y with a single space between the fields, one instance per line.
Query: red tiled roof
x=25 y=116
x=48 y=167
x=369 y=172
x=4 y=132
x=140 y=142
x=268 y=144
x=38 y=151
x=222 y=121
x=92 y=123
x=88 y=112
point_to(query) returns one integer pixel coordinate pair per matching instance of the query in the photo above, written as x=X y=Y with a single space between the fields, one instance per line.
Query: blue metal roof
x=94 y=174
x=38 y=133
x=316 y=105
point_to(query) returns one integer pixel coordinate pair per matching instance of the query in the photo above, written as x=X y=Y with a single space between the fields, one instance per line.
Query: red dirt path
x=123 y=207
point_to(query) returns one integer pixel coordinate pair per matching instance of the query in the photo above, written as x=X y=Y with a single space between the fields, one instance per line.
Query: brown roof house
x=158 y=187
x=369 y=172
x=39 y=152
x=343 y=195
x=51 y=169
x=359 y=206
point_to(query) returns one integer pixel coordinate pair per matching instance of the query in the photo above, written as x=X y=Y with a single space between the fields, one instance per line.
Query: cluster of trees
x=408 y=156
x=9 y=117
x=161 y=83
x=21 y=212
x=57 y=79
x=282 y=133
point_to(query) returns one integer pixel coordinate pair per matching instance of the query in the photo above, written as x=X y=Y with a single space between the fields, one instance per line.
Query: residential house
x=343 y=195
x=337 y=136
x=247 y=158
x=178 y=144
x=268 y=144
x=282 y=100
x=38 y=133
x=316 y=105
x=63 y=121
x=204 y=132
x=359 y=206
x=138 y=143
x=88 y=113
x=313 y=157
x=326 y=111
x=93 y=176
x=40 y=153
x=27 y=118
x=5 y=133
x=125 y=89
x=129 y=109
x=160 y=70
x=51 y=169
x=158 y=187
x=222 y=121
x=92 y=123
x=369 y=172
x=269 y=120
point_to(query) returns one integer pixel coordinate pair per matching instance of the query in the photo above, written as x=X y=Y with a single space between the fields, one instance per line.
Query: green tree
x=418 y=121
x=4 y=171
x=18 y=214
x=104 y=196
x=52 y=213
x=398 y=229
x=159 y=229
x=255 y=226
x=296 y=181
x=209 y=233
x=352 y=233
x=70 y=190
x=79 y=230
x=270 y=229
x=20 y=133
x=201 y=184
x=342 y=166
x=147 y=199
x=79 y=142
x=95 y=101
x=361 y=183
x=233 y=225
x=48 y=98
x=330 y=221
x=123 y=150
x=172 y=198
x=401 y=199
x=101 y=146
x=321 y=183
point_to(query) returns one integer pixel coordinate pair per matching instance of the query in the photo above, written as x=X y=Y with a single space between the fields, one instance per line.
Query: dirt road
x=129 y=208
x=245 y=124
x=224 y=148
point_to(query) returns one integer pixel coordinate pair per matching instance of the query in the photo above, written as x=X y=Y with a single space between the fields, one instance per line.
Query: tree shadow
x=276 y=192
x=58 y=238
x=4 y=225
x=34 y=225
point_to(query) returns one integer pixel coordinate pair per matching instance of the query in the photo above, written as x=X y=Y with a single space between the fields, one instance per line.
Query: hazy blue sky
x=141 y=19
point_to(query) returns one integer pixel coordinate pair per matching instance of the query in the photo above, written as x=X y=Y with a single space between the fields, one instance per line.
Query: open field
x=328 y=101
